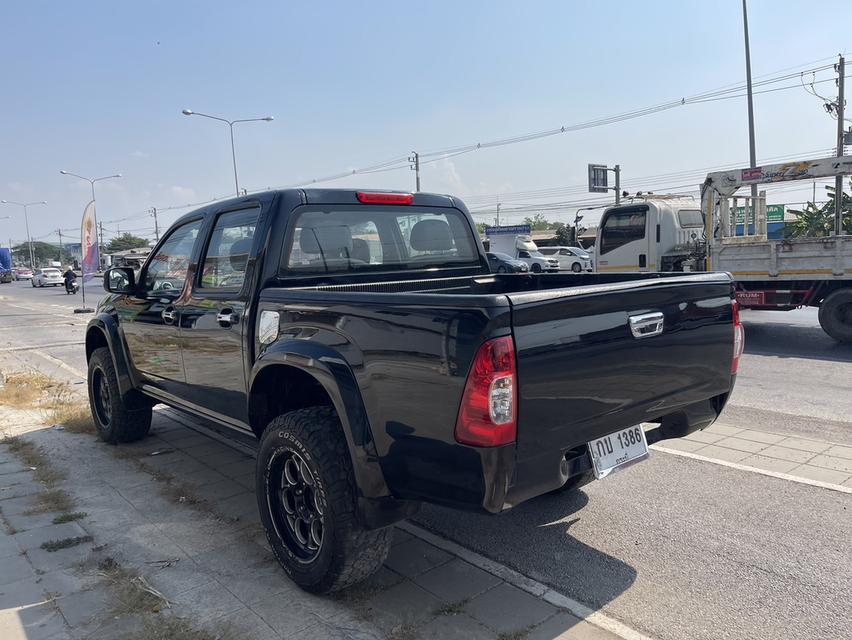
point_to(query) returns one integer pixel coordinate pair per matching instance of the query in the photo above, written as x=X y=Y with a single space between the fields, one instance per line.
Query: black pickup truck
x=360 y=341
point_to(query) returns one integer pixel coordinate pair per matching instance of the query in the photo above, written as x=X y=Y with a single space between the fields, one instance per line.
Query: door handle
x=647 y=325
x=226 y=317
x=168 y=314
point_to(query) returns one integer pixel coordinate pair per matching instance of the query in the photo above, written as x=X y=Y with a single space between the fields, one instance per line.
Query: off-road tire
x=835 y=315
x=348 y=553
x=116 y=419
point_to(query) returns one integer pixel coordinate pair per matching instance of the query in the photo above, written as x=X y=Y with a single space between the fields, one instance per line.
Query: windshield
x=578 y=252
x=50 y=272
x=379 y=238
x=503 y=256
x=527 y=245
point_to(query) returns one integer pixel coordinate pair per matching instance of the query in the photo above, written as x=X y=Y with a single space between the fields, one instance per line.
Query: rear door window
x=224 y=264
x=621 y=227
x=378 y=238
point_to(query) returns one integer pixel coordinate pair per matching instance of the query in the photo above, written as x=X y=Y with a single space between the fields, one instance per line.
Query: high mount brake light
x=489 y=408
x=385 y=198
x=739 y=337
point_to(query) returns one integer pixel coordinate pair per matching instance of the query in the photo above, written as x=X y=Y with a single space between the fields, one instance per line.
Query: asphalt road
x=673 y=547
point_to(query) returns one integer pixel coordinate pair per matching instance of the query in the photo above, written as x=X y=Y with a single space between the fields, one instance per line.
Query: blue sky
x=98 y=87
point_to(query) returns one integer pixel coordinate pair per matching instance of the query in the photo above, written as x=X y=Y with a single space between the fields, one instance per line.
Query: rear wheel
x=835 y=315
x=116 y=419
x=306 y=495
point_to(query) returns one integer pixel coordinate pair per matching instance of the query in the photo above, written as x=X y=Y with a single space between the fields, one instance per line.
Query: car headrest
x=328 y=240
x=239 y=253
x=431 y=235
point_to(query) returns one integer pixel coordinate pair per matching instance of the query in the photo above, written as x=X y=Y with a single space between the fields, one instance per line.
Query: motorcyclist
x=70 y=278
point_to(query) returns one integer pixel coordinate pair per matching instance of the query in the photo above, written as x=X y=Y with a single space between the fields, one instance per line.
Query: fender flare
x=331 y=370
x=108 y=327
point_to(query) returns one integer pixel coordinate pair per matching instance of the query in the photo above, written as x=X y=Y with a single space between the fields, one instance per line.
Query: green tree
x=124 y=242
x=480 y=227
x=566 y=235
x=538 y=222
x=818 y=221
x=43 y=252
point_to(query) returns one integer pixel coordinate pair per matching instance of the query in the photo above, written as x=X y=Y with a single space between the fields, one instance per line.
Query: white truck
x=673 y=233
x=517 y=242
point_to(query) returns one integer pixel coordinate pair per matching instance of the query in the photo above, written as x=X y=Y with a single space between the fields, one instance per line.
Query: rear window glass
x=690 y=218
x=378 y=238
x=621 y=227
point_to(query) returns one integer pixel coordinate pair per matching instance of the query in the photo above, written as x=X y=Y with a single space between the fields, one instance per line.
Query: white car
x=570 y=258
x=537 y=262
x=47 y=277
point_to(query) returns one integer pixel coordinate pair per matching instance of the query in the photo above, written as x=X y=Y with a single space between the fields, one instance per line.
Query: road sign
x=598 y=178
x=515 y=230
x=774 y=213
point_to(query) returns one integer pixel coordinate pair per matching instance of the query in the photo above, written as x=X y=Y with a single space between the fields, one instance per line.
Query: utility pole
x=751 y=147
x=838 y=181
x=617 y=184
x=498 y=215
x=59 y=231
x=101 y=236
x=156 y=226
x=414 y=161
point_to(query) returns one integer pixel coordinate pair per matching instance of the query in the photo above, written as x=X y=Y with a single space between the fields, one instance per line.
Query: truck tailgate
x=582 y=373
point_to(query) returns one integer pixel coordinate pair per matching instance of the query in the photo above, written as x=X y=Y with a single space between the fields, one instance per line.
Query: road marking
x=764 y=472
x=533 y=587
x=59 y=363
x=44 y=346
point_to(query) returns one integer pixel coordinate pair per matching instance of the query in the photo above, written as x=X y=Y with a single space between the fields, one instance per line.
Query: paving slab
x=25 y=522
x=8 y=546
x=720 y=453
x=402 y=604
x=681 y=444
x=33 y=538
x=286 y=617
x=758 y=436
x=740 y=444
x=507 y=609
x=786 y=453
x=840 y=452
x=565 y=626
x=9 y=467
x=15 y=568
x=831 y=462
x=21 y=593
x=455 y=627
x=456 y=580
x=243 y=623
x=822 y=475
x=24 y=489
x=82 y=608
x=414 y=557
x=41 y=622
x=769 y=464
x=48 y=561
x=722 y=430
x=210 y=600
x=803 y=444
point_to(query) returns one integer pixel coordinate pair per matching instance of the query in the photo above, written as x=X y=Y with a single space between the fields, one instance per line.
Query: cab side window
x=167 y=269
x=224 y=264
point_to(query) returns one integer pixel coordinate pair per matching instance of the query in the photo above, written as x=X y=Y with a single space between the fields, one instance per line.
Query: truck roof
x=324 y=196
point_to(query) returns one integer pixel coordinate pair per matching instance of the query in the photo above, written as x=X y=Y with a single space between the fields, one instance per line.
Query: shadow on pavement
x=791 y=340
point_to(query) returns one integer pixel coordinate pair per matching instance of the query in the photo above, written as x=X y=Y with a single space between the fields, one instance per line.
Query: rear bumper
x=551 y=470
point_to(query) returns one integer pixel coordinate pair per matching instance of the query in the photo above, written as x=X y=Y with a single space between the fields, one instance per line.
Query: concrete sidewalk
x=800 y=457
x=179 y=509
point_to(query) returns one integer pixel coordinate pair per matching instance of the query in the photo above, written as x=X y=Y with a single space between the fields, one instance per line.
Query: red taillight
x=739 y=337
x=489 y=407
x=385 y=198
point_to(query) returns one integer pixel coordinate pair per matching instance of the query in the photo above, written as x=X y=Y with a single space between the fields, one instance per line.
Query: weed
x=451 y=608
x=24 y=389
x=130 y=593
x=405 y=631
x=64 y=543
x=33 y=456
x=174 y=628
x=69 y=517
x=66 y=408
x=51 y=500
x=518 y=634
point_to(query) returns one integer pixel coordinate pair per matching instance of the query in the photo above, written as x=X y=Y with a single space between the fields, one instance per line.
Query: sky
x=97 y=88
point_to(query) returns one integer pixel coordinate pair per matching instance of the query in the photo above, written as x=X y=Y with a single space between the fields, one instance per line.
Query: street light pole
x=751 y=146
x=25 y=206
x=230 y=123
x=91 y=181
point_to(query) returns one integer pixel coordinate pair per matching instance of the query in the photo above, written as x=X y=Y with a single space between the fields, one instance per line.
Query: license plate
x=618 y=449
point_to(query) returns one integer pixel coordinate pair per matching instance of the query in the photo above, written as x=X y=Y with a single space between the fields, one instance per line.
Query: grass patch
x=69 y=410
x=33 y=456
x=130 y=593
x=174 y=628
x=171 y=488
x=23 y=390
x=451 y=608
x=405 y=631
x=64 y=543
x=51 y=500
x=69 y=517
x=518 y=634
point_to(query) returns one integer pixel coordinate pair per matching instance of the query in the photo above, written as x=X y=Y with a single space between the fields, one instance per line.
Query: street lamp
x=230 y=123
x=25 y=205
x=91 y=181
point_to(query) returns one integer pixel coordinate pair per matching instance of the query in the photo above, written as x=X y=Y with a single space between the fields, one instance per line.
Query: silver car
x=47 y=277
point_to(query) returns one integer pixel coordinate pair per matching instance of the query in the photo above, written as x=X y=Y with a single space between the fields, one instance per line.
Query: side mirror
x=120 y=280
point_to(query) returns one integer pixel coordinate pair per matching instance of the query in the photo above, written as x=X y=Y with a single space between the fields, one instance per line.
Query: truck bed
x=581 y=372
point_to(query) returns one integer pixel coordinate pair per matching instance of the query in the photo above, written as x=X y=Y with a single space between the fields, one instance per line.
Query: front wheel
x=576 y=268
x=536 y=268
x=116 y=419
x=306 y=495
x=835 y=315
